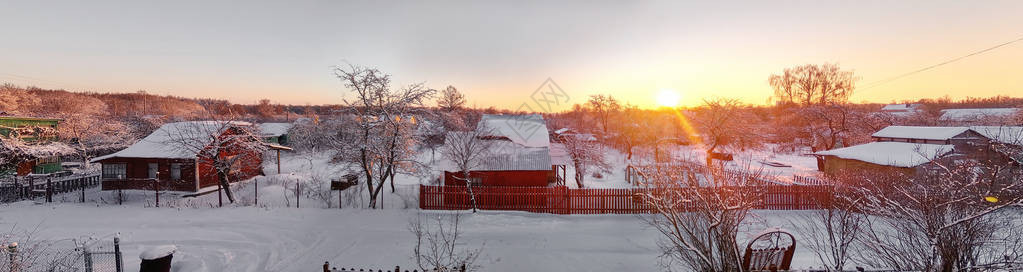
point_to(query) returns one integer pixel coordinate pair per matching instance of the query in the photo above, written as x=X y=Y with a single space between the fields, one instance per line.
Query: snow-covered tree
x=227 y=145
x=586 y=155
x=468 y=151
x=380 y=137
x=698 y=211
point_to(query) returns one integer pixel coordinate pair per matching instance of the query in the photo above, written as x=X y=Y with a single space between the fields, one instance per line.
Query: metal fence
x=97 y=256
x=45 y=187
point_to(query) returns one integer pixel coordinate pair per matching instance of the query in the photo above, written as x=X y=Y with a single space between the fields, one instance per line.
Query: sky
x=499 y=53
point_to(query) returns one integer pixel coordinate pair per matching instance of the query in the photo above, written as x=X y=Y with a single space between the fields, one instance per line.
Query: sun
x=668 y=98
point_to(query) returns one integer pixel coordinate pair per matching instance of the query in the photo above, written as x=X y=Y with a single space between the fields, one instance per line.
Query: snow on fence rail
x=21 y=189
x=328 y=268
x=561 y=200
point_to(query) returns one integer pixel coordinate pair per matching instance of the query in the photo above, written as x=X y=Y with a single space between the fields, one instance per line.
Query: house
x=41 y=147
x=563 y=134
x=908 y=149
x=986 y=116
x=520 y=154
x=276 y=133
x=161 y=157
x=902 y=109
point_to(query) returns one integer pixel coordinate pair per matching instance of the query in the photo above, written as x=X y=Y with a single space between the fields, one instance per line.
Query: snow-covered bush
x=698 y=212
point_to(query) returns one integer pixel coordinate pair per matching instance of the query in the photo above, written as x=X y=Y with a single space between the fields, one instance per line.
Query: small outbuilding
x=520 y=154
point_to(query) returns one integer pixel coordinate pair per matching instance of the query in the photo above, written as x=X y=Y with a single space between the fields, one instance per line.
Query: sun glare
x=668 y=98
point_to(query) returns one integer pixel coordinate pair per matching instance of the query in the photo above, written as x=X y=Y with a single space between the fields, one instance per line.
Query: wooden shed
x=519 y=155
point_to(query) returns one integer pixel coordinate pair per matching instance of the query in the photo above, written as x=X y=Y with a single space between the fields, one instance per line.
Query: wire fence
x=52 y=256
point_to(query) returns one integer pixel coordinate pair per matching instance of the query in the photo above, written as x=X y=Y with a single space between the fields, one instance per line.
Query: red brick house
x=165 y=157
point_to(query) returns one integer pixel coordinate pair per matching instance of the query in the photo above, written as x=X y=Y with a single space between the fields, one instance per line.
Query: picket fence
x=562 y=200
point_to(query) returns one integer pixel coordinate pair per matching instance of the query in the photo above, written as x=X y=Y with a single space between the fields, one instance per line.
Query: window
x=114 y=170
x=175 y=169
x=153 y=169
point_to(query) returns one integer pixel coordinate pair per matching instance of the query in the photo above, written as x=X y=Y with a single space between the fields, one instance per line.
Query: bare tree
x=698 y=211
x=451 y=99
x=831 y=231
x=468 y=150
x=725 y=121
x=439 y=245
x=380 y=138
x=229 y=146
x=605 y=107
x=585 y=154
x=634 y=129
x=813 y=84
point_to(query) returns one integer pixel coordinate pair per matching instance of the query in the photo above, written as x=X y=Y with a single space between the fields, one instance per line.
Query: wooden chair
x=770 y=251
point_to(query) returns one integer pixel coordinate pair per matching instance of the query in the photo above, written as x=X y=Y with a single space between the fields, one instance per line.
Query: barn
x=520 y=154
x=161 y=158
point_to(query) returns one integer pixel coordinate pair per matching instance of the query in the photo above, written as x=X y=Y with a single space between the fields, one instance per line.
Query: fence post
x=255 y=190
x=462 y=269
x=157 y=182
x=298 y=194
x=83 y=183
x=119 y=265
x=326 y=266
x=49 y=190
x=12 y=250
x=88 y=259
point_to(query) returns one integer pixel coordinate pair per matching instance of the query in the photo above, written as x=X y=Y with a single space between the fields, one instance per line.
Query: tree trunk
x=226 y=184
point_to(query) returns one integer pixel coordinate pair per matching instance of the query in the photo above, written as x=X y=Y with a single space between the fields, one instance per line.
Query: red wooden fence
x=561 y=200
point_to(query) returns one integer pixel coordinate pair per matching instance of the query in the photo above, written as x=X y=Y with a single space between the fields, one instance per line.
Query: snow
x=158 y=252
x=290 y=239
x=913 y=132
x=900 y=107
x=274 y=129
x=526 y=129
x=1003 y=134
x=165 y=141
x=891 y=153
x=976 y=114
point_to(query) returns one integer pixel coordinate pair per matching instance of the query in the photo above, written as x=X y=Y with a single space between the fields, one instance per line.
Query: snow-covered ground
x=290 y=239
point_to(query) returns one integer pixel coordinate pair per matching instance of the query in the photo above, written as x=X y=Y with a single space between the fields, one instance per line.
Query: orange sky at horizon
x=499 y=53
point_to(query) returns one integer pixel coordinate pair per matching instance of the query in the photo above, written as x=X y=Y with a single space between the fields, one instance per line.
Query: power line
x=884 y=81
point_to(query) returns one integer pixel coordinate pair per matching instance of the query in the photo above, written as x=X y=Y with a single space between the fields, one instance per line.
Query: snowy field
x=290 y=239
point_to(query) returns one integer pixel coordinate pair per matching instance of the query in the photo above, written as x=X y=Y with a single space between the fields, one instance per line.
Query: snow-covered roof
x=510 y=156
x=926 y=133
x=165 y=142
x=505 y=155
x=900 y=107
x=274 y=129
x=529 y=130
x=1003 y=134
x=891 y=153
x=976 y=114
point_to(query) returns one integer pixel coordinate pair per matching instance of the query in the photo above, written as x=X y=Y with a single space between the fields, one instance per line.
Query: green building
x=35 y=131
